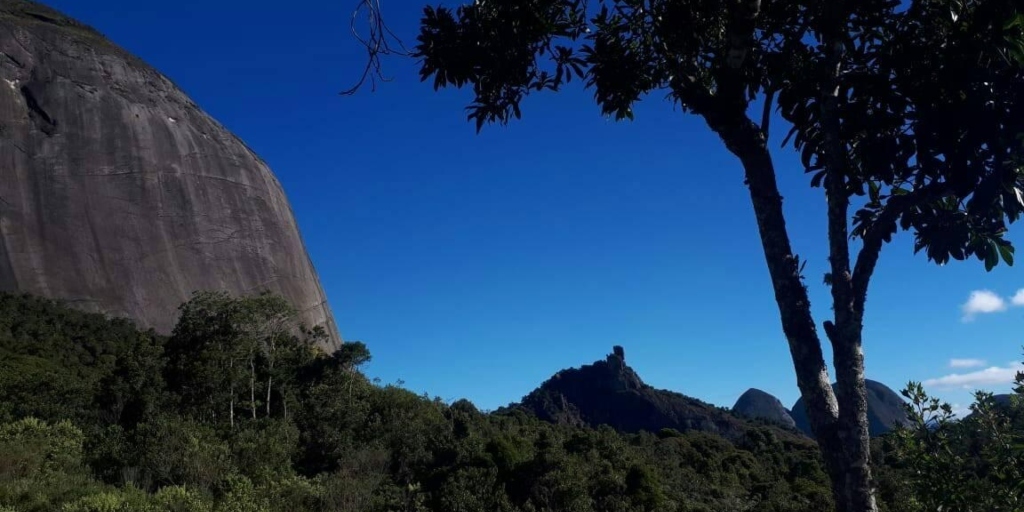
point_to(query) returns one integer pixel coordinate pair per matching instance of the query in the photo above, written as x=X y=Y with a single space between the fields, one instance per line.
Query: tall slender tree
x=909 y=114
x=221 y=342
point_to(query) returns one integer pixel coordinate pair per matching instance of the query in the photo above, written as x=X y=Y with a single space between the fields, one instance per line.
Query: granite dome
x=118 y=194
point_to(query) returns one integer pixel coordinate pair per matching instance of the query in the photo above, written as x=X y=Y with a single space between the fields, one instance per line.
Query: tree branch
x=837 y=170
x=690 y=92
x=766 y=113
x=730 y=85
x=376 y=45
x=849 y=449
x=744 y=139
x=881 y=229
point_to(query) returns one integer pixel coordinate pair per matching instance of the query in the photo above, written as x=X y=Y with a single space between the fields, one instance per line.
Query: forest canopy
x=237 y=410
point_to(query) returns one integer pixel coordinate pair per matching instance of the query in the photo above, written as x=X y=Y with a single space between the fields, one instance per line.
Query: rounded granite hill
x=755 y=403
x=885 y=410
x=119 y=195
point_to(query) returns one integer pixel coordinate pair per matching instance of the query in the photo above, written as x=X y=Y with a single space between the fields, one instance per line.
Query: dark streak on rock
x=48 y=124
x=43 y=18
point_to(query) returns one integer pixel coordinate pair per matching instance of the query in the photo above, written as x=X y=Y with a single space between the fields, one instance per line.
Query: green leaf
x=1015 y=21
x=992 y=255
x=1006 y=251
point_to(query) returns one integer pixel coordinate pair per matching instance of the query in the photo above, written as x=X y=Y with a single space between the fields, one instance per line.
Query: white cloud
x=994 y=375
x=966 y=363
x=1018 y=299
x=981 y=302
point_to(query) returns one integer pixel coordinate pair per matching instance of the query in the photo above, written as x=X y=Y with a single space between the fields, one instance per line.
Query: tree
x=264 y=322
x=967 y=464
x=221 y=343
x=352 y=355
x=205 y=365
x=908 y=112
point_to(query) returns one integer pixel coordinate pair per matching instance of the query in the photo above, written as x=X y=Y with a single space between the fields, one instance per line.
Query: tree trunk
x=252 y=384
x=231 y=389
x=839 y=436
x=270 y=380
x=271 y=354
x=852 y=441
x=852 y=438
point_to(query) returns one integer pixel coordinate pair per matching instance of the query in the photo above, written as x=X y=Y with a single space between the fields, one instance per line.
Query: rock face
x=610 y=393
x=885 y=410
x=119 y=195
x=758 y=404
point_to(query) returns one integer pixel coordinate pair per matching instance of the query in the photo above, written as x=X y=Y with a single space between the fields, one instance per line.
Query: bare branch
x=883 y=227
x=376 y=44
x=766 y=114
x=837 y=168
x=742 y=21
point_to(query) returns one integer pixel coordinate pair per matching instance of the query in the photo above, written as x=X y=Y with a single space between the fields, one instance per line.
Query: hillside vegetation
x=236 y=411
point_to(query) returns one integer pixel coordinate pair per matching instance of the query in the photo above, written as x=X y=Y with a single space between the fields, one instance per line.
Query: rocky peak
x=619 y=352
x=613 y=374
x=609 y=392
x=758 y=404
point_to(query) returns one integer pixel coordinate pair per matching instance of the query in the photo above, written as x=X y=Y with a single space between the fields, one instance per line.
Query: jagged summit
x=119 y=195
x=609 y=392
x=758 y=404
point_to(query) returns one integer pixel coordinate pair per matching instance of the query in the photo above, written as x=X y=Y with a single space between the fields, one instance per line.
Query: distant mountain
x=610 y=393
x=885 y=410
x=1000 y=400
x=757 y=404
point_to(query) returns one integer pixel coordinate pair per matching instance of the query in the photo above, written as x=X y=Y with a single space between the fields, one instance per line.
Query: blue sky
x=475 y=266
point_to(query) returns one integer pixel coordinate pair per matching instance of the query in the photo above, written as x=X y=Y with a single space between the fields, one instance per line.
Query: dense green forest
x=237 y=411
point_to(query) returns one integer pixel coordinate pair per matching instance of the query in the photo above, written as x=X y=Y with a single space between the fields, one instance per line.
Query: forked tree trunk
x=852 y=441
x=848 y=297
x=839 y=426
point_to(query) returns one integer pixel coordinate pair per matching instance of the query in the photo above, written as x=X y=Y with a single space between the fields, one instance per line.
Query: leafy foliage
x=342 y=443
x=971 y=464
x=930 y=109
x=348 y=444
x=58 y=363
